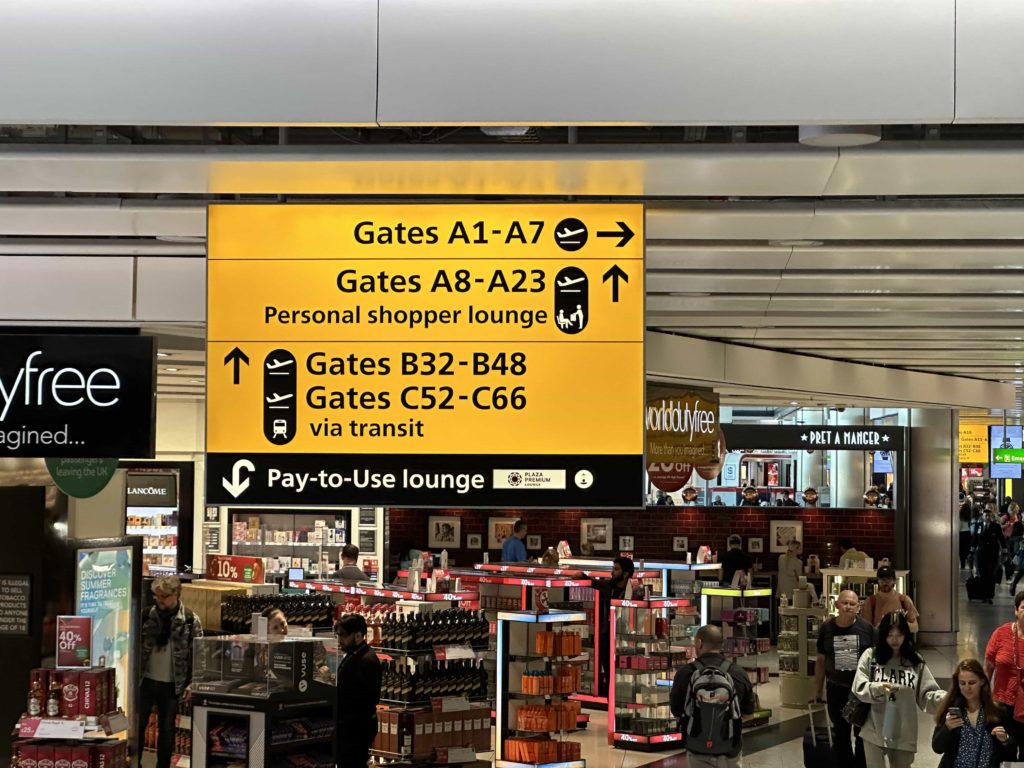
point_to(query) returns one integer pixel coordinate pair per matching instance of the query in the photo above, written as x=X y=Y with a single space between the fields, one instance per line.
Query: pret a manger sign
x=425 y=354
x=73 y=396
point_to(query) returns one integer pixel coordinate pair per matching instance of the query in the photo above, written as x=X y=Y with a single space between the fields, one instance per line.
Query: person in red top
x=1004 y=660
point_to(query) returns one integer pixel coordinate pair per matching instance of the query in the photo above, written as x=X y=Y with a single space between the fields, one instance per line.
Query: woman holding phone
x=971 y=727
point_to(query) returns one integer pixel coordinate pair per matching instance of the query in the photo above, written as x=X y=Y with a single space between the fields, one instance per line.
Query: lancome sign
x=76 y=396
x=682 y=424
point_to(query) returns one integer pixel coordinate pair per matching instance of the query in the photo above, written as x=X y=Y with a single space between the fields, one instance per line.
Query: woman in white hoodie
x=893 y=678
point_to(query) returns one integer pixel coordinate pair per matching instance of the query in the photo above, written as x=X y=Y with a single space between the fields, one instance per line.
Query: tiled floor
x=779 y=745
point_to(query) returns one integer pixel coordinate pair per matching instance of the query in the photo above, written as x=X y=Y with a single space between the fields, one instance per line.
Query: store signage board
x=426 y=355
x=15 y=599
x=77 y=396
x=814 y=437
x=973 y=443
x=243 y=570
x=681 y=424
x=1006 y=438
x=150 y=489
x=103 y=592
x=74 y=642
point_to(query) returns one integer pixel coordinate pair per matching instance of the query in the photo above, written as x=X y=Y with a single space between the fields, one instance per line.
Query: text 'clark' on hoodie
x=892 y=723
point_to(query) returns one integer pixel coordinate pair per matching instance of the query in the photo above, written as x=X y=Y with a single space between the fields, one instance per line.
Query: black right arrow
x=615 y=273
x=238 y=357
x=624 y=233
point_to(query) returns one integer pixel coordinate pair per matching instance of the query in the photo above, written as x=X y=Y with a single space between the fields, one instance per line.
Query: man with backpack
x=709 y=695
x=167 y=635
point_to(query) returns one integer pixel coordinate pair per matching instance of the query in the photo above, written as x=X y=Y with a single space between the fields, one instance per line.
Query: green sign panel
x=81 y=478
x=1009 y=456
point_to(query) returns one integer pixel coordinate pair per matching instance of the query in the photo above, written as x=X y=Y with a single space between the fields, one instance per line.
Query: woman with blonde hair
x=971 y=727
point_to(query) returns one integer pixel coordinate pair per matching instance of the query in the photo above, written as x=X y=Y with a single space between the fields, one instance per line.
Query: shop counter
x=863 y=581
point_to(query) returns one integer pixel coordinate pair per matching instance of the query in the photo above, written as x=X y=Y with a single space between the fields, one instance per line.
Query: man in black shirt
x=359 y=678
x=841 y=641
x=608 y=590
x=735 y=560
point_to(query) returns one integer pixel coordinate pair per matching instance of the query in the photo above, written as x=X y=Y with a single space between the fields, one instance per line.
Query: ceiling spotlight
x=172 y=370
x=833 y=136
x=796 y=243
x=504 y=131
x=793 y=402
x=194 y=381
x=163 y=354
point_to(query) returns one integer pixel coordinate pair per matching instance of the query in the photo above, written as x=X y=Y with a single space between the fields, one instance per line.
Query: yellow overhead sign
x=973 y=443
x=391 y=339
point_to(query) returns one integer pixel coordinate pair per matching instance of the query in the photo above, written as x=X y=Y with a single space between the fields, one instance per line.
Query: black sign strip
x=459 y=480
x=814 y=437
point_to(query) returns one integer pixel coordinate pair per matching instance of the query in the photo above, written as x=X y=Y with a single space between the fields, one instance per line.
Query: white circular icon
x=584 y=478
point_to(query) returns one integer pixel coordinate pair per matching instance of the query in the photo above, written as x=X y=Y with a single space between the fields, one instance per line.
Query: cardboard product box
x=44 y=756
x=81 y=756
x=105 y=754
x=89 y=691
x=62 y=756
x=71 y=699
x=238 y=660
x=28 y=755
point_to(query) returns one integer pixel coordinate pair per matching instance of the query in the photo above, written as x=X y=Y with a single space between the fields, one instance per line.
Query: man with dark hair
x=512 y=549
x=608 y=590
x=350 y=572
x=708 y=696
x=359 y=678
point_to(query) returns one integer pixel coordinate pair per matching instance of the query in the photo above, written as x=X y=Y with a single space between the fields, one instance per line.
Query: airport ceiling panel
x=579 y=62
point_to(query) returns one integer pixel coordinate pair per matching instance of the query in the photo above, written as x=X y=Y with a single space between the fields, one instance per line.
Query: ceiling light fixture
x=833 y=136
x=796 y=243
x=163 y=354
x=172 y=370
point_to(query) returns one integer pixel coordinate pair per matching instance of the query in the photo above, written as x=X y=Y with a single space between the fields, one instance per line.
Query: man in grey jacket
x=167 y=635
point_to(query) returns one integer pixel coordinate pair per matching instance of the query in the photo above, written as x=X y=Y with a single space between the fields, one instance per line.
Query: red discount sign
x=245 y=570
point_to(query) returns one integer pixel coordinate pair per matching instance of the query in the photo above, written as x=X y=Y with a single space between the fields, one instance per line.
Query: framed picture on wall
x=781 y=532
x=499 y=529
x=680 y=543
x=532 y=542
x=474 y=541
x=597 y=532
x=755 y=545
x=444 y=532
x=626 y=543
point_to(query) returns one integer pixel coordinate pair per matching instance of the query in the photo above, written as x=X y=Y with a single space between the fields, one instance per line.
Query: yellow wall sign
x=974 y=443
x=426 y=354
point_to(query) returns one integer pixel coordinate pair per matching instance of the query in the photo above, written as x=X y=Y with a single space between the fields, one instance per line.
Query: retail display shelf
x=560 y=659
x=153 y=511
x=160 y=550
x=433 y=650
x=588 y=698
x=184 y=721
x=566 y=764
x=657 y=602
x=528 y=569
x=735 y=592
x=286 y=544
x=518 y=581
x=395 y=594
x=635 y=738
x=554 y=617
x=159 y=530
x=181 y=761
x=441 y=756
x=302 y=742
x=562 y=732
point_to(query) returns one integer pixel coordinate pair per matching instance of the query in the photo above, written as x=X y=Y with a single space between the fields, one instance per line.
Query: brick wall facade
x=653 y=528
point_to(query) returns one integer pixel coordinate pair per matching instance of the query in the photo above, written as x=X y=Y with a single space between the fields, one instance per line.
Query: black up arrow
x=615 y=274
x=237 y=357
x=624 y=233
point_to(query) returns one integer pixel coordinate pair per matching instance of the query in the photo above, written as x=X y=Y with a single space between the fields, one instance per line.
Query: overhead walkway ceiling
x=906 y=254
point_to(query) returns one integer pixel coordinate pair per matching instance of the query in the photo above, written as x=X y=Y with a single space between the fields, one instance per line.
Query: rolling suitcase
x=818 y=750
x=976 y=589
